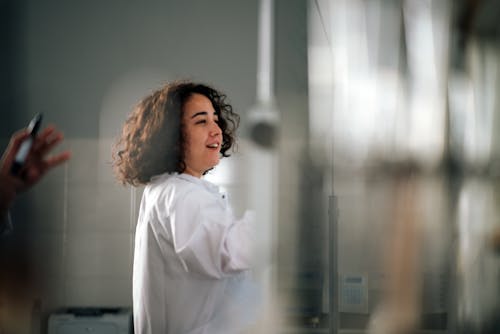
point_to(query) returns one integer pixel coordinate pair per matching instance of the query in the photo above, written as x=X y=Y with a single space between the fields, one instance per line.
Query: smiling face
x=203 y=136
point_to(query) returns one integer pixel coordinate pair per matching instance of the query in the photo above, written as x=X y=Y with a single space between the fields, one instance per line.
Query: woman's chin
x=215 y=162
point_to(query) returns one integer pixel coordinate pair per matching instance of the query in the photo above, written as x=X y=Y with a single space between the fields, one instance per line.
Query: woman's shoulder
x=177 y=186
x=167 y=183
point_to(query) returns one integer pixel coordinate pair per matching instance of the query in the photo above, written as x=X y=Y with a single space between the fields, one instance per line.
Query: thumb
x=14 y=144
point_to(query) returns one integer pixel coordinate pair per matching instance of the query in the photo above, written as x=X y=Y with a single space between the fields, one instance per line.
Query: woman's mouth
x=214 y=145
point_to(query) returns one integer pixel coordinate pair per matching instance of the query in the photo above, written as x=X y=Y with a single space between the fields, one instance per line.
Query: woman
x=192 y=255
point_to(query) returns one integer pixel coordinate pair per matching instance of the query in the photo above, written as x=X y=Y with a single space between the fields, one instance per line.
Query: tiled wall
x=83 y=226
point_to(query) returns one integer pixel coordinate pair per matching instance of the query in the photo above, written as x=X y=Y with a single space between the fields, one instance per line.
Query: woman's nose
x=215 y=130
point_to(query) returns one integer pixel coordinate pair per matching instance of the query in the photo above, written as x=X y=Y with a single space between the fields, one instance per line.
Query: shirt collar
x=204 y=183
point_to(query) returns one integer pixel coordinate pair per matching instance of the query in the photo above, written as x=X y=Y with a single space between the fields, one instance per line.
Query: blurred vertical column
x=474 y=146
x=427 y=31
x=427 y=35
x=262 y=160
x=317 y=173
x=379 y=72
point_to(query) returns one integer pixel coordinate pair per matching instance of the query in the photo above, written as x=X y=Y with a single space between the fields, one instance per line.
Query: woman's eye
x=201 y=121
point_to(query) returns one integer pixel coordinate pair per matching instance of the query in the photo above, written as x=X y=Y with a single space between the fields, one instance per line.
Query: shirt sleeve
x=207 y=237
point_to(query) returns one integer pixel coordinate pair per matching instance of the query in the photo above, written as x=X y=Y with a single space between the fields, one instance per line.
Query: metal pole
x=333 y=264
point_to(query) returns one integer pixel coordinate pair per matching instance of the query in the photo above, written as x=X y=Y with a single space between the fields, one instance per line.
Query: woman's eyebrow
x=200 y=113
x=204 y=113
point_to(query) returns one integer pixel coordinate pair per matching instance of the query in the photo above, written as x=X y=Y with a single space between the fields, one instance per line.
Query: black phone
x=24 y=149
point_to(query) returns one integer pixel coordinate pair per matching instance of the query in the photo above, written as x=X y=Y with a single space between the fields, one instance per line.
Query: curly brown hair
x=152 y=140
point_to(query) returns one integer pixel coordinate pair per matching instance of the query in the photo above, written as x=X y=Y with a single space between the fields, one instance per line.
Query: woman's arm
x=208 y=238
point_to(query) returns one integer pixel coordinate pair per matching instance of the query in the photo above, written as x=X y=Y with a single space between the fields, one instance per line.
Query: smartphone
x=25 y=147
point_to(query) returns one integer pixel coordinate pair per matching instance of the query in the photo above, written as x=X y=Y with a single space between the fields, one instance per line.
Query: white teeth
x=215 y=145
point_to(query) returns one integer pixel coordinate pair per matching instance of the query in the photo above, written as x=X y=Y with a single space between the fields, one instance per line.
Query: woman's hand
x=37 y=163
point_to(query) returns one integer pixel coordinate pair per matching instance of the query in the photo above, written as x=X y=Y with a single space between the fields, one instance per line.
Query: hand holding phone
x=27 y=159
x=25 y=147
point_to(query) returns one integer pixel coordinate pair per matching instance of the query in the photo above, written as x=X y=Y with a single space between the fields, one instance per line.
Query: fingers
x=48 y=144
x=58 y=159
x=47 y=139
x=47 y=132
x=38 y=163
x=44 y=143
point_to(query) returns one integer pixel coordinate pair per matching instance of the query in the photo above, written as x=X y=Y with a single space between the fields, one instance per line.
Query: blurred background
x=368 y=146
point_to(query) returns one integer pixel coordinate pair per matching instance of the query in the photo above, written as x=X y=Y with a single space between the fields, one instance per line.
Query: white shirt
x=191 y=260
